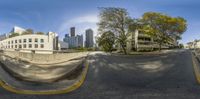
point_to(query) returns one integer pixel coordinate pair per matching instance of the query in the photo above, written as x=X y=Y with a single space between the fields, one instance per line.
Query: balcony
x=143 y=35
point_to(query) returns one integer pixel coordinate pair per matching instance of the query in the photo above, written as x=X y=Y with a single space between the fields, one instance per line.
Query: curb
x=196 y=69
x=71 y=88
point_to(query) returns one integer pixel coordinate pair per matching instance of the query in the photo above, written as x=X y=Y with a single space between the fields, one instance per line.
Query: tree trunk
x=124 y=49
x=160 y=45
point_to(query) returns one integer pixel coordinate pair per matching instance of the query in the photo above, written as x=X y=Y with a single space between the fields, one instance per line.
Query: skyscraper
x=80 y=40
x=89 y=38
x=73 y=41
x=72 y=31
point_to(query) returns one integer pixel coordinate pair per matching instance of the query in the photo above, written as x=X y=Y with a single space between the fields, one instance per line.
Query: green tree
x=181 y=46
x=28 y=31
x=115 y=20
x=163 y=27
x=106 y=41
x=40 y=33
x=135 y=24
x=13 y=35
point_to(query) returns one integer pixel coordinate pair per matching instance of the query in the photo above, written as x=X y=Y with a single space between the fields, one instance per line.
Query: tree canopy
x=13 y=35
x=163 y=27
x=106 y=41
x=28 y=31
x=115 y=20
x=40 y=33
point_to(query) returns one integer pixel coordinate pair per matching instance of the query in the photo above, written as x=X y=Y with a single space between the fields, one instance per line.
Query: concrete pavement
x=166 y=76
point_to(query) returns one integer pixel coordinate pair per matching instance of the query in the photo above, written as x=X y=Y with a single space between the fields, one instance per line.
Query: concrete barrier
x=197 y=54
x=44 y=58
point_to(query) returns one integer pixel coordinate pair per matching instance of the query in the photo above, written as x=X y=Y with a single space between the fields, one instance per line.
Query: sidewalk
x=150 y=53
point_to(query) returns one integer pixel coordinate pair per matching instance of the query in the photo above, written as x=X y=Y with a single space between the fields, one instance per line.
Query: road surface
x=166 y=76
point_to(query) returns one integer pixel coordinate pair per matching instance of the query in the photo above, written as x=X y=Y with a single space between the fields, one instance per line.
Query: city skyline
x=41 y=16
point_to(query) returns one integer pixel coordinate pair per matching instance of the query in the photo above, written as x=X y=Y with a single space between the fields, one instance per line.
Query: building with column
x=140 y=41
x=89 y=42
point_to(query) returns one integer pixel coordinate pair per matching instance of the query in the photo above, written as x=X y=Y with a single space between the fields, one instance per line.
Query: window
x=41 y=45
x=24 y=46
x=24 y=40
x=42 y=40
x=30 y=45
x=11 y=46
x=15 y=46
x=15 y=41
x=20 y=41
x=8 y=46
x=30 y=40
x=20 y=46
x=36 y=40
x=12 y=42
x=8 y=42
x=36 y=45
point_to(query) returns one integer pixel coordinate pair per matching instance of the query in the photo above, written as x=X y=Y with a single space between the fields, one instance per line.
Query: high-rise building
x=89 y=38
x=80 y=40
x=73 y=41
x=72 y=31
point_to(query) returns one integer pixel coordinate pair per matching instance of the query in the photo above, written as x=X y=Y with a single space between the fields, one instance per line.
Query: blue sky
x=59 y=15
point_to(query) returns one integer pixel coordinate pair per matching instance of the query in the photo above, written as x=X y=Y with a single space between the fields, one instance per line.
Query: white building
x=198 y=44
x=193 y=45
x=35 y=43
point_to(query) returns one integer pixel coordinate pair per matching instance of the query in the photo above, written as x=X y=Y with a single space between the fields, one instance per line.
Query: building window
x=11 y=46
x=42 y=40
x=20 y=46
x=24 y=40
x=20 y=41
x=8 y=46
x=30 y=45
x=36 y=45
x=36 y=40
x=41 y=45
x=12 y=42
x=8 y=42
x=30 y=40
x=15 y=46
x=24 y=46
x=15 y=41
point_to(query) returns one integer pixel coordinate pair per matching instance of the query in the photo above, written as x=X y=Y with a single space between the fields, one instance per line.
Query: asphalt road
x=167 y=76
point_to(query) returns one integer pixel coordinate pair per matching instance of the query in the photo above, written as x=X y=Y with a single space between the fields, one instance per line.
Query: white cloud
x=83 y=21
